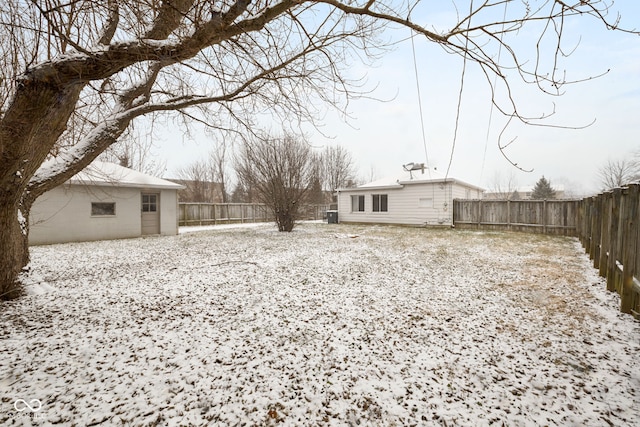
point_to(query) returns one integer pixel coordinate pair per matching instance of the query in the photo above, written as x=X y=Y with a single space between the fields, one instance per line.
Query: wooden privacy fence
x=607 y=226
x=609 y=231
x=221 y=213
x=534 y=216
x=224 y=213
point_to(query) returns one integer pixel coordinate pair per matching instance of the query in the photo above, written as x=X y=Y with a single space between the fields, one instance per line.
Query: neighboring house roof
x=410 y=178
x=111 y=174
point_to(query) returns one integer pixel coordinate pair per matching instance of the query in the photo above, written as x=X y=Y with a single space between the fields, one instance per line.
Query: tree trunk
x=14 y=248
x=285 y=220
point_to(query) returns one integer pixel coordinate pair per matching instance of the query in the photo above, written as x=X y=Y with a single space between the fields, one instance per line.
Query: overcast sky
x=382 y=136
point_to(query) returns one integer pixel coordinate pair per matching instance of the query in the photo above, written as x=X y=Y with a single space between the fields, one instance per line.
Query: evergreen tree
x=543 y=190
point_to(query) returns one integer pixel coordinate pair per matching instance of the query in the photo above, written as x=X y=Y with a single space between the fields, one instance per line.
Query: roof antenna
x=409 y=167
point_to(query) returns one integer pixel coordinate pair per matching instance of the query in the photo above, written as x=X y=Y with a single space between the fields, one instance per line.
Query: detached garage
x=105 y=201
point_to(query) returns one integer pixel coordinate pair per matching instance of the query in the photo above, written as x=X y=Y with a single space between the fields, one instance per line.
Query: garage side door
x=150 y=213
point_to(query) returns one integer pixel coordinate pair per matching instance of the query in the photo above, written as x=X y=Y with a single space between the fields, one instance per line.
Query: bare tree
x=76 y=73
x=338 y=168
x=197 y=178
x=372 y=175
x=205 y=179
x=280 y=170
x=617 y=173
x=504 y=188
x=218 y=160
x=134 y=150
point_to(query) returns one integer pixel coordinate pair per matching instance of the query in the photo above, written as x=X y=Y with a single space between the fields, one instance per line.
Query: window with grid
x=149 y=203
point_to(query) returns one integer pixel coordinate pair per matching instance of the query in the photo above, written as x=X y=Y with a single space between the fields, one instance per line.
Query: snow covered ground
x=328 y=325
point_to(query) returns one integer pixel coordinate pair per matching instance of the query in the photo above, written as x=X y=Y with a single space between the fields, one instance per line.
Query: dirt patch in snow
x=328 y=325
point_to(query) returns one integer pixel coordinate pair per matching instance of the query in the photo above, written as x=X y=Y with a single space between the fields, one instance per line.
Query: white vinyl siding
x=425 y=202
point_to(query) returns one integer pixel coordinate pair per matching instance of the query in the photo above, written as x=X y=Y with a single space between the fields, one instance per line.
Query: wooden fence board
x=535 y=216
x=630 y=214
x=605 y=243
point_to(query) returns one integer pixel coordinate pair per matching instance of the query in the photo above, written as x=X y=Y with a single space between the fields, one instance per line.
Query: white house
x=416 y=197
x=105 y=201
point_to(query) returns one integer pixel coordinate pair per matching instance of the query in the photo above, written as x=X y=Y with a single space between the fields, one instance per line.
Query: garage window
x=103 y=209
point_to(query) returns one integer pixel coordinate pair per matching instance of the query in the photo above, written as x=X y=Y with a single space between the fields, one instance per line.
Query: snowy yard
x=328 y=325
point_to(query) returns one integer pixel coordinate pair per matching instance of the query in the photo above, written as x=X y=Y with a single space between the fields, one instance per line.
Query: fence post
x=578 y=218
x=629 y=249
x=585 y=221
x=596 y=224
x=614 y=246
x=215 y=213
x=588 y=213
x=588 y=223
x=605 y=232
x=581 y=215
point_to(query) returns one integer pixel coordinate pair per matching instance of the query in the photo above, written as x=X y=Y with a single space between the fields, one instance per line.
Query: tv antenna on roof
x=409 y=167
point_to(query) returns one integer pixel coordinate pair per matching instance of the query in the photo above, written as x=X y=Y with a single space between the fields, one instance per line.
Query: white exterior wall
x=64 y=214
x=406 y=204
x=463 y=192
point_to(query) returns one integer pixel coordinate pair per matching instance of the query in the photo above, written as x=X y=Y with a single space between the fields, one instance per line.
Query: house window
x=425 y=203
x=149 y=202
x=103 y=209
x=357 y=203
x=380 y=203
